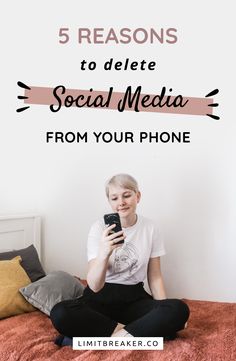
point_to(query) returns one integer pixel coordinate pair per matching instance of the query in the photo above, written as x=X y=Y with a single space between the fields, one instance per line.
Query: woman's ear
x=138 y=196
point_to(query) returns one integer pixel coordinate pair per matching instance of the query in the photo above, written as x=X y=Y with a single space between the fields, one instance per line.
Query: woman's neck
x=129 y=221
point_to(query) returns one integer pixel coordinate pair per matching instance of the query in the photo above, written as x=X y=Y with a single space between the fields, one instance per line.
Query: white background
x=188 y=188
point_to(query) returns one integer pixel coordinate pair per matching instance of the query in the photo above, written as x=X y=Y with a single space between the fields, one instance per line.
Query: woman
x=115 y=303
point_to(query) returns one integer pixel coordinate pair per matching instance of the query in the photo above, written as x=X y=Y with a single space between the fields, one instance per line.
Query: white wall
x=188 y=188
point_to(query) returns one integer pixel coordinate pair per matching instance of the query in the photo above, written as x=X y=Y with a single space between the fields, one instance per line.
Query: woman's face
x=123 y=200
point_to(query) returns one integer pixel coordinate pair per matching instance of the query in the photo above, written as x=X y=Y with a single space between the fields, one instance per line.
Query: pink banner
x=132 y=100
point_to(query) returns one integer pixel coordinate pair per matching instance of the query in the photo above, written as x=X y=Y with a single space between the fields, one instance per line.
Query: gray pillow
x=30 y=261
x=51 y=289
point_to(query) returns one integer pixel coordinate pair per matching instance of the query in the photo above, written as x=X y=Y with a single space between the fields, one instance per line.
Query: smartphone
x=113 y=218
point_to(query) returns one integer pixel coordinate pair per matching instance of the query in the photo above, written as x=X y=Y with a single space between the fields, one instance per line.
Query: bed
x=211 y=332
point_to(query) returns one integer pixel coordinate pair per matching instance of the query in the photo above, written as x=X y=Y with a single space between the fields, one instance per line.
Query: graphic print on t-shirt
x=125 y=261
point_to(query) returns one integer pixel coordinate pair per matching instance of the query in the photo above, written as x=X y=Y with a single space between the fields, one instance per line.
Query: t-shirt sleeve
x=158 y=248
x=94 y=238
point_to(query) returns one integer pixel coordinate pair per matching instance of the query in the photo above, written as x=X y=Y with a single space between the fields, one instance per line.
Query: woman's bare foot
x=119 y=331
x=118 y=328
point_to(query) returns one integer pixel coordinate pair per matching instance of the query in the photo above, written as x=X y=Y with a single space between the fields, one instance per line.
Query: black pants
x=97 y=314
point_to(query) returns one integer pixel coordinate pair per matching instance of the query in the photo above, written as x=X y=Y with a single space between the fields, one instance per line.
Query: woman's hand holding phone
x=109 y=242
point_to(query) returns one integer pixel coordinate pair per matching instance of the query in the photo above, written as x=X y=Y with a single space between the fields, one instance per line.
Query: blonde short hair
x=123 y=180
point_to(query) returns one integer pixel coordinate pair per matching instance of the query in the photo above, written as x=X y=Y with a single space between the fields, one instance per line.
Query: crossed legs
x=142 y=318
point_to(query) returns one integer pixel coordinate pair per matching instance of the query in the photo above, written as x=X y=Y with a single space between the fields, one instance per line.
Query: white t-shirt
x=128 y=263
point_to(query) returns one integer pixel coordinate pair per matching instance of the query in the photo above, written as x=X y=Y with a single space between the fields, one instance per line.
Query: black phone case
x=113 y=218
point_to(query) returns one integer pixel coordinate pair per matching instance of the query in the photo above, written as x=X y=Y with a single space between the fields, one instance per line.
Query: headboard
x=20 y=231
